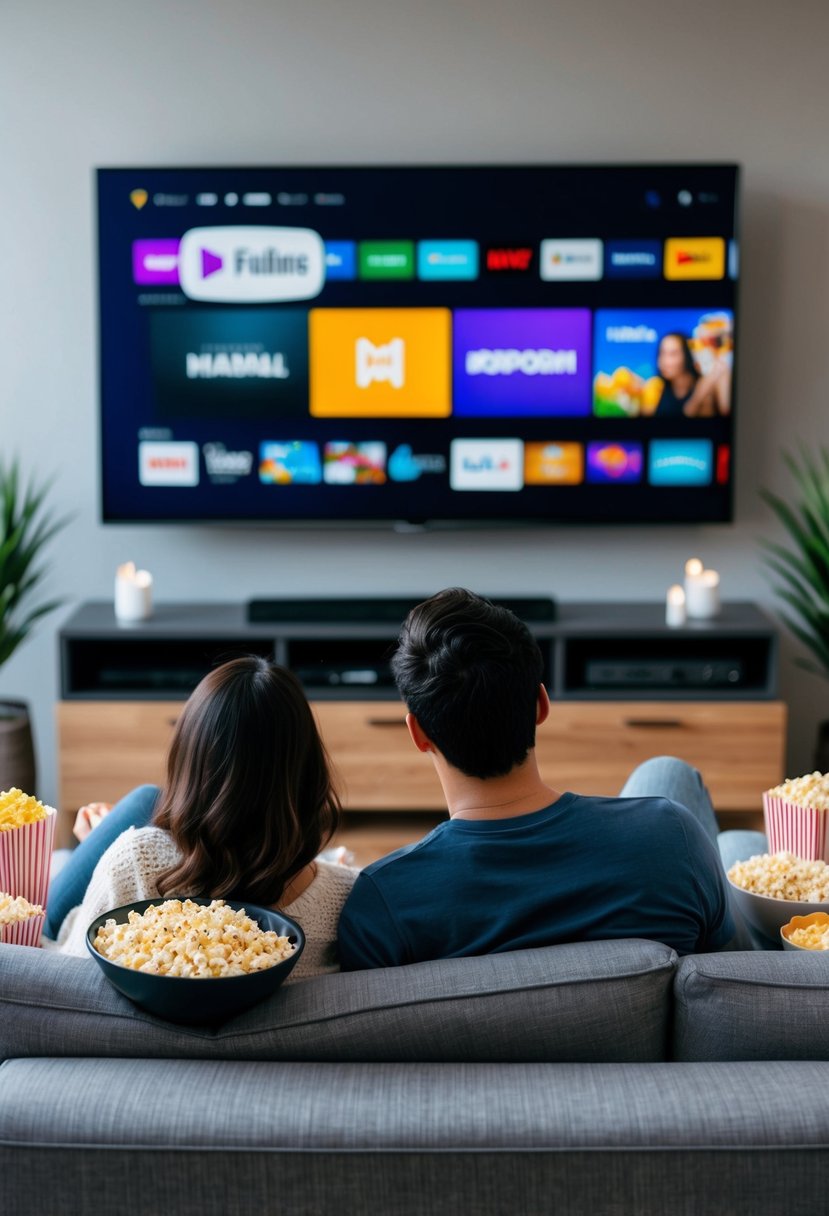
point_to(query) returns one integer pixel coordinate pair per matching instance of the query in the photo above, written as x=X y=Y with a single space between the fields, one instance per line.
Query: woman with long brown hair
x=247 y=807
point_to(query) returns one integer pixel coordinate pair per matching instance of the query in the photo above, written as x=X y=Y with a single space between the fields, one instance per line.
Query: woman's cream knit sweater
x=131 y=866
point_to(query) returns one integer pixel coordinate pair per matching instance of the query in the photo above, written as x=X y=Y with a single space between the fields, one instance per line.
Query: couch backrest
x=762 y=1005
x=591 y=1001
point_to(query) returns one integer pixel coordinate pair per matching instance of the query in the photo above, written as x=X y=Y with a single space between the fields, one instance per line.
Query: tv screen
x=494 y=344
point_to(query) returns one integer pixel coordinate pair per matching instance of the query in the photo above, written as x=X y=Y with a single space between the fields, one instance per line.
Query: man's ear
x=543 y=711
x=419 y=737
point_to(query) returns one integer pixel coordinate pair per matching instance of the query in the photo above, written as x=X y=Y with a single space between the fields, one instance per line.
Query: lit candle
x=675 y=606
x=702 y=595
x=133 y=593
x=693 y=570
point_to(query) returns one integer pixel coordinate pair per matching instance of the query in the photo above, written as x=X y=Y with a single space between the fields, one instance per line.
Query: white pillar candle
x=133 y=593
x=675 y=606
x=693 y=573
x=702 y=595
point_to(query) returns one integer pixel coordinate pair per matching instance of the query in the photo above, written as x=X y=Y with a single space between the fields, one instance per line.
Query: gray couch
x=604 y=1078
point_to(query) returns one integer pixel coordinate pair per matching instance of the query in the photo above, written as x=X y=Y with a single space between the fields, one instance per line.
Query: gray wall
x=207 y=81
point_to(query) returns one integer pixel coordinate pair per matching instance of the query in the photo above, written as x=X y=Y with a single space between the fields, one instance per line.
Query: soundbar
x=382 y=610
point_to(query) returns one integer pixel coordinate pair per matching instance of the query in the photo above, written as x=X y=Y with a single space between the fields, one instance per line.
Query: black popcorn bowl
x=198 y=1001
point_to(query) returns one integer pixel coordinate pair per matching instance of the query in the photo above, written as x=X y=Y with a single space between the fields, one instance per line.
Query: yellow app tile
x=380 y=362
x=553 y=464
x=695 y=257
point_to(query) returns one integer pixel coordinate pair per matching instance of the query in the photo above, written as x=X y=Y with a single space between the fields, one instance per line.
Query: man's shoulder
x=646 y=809
x=394 y=862
x=656 y=821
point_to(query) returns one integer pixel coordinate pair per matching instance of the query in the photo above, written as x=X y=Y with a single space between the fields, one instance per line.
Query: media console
x=623 y=686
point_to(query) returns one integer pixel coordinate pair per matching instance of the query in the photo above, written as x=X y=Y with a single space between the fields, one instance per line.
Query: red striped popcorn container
x=25 y=862
x=801 y=830
x=23 y=932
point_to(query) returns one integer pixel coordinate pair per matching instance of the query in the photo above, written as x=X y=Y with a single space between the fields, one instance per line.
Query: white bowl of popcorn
x=195 y=960
x=771 y=888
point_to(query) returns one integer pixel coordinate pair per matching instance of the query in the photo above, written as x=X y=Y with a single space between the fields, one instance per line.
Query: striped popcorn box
x=25 y=861
x=23 y=932
x=802 y=830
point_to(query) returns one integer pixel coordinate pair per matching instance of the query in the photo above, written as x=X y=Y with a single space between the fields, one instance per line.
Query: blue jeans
x=68 y=887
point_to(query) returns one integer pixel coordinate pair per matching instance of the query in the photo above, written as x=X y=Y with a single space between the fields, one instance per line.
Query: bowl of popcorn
x=195 y=960
x=806 y=932
x=771 y=888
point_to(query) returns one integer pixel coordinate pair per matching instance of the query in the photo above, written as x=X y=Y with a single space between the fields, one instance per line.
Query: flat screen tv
x=496 y=344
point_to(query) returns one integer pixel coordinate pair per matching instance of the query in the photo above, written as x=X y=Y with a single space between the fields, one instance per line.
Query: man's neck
x=520 y=792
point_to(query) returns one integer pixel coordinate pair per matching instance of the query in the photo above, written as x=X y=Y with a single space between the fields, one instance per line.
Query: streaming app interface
x=537 y=343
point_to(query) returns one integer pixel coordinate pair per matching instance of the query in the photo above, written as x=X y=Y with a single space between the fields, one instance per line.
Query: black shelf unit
x=600 y=651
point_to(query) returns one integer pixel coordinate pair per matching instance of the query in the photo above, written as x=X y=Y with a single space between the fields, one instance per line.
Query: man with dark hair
x=518 y=864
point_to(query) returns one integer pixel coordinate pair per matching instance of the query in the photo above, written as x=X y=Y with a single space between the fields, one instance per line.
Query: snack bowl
x=198 y=1001
x=802 y=922
x=767 y=915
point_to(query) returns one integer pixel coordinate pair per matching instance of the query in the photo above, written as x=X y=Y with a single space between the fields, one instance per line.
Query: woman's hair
x=689 y=365
x=248 y=799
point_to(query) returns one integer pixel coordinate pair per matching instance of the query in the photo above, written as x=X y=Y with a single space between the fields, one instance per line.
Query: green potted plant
x=802 y=566
x=25 y=528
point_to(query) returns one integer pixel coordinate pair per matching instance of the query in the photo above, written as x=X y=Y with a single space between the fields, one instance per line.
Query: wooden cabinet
x=623 y=687
x=106 y=748
x=738 y=747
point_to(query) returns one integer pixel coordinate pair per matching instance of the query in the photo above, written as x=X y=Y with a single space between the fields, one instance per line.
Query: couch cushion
x=604 y=1001
x=222 y=1138
x=760 y=1005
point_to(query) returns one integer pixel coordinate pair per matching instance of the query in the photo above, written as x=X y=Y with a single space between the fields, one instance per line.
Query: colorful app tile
x=253 y=264
x=440 y=260
x=723 y=464
x=509 y=259
x=293 y=462
x=340 y=261
x=680 y=462
x=168 y=464
x=521 y=362
x=406 y=465
x=486 y=464
x=354 y=464
x=695 y=257
x=387 y=259
x=155 y=262
x=614 y=462
x=574 y=261
x=230 y=363
x=380 y=362
x=553 y=464
x=666 y=362
x=633 y=260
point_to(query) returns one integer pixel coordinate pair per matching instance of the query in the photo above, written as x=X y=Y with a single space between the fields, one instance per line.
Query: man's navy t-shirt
x=582 y=869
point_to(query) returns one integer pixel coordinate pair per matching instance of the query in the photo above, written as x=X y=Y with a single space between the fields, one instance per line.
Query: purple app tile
x=522 y=362
x=614 y=462
x=155 y=261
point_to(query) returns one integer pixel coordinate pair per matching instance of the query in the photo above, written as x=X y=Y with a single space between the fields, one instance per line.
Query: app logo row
x=430 y=362
x=260 y=264
x=474 y=464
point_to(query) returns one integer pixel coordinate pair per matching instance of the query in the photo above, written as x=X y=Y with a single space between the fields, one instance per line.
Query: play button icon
x=210 y=263
x=251 y=263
